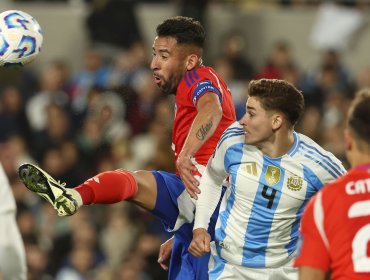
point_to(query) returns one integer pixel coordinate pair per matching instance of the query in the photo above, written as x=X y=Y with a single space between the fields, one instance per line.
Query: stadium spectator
x=106 y=19
x=52 y=92
x=13 y=119
x=279 y=58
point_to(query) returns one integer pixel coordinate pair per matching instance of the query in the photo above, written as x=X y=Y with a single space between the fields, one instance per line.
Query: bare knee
x=146 y=195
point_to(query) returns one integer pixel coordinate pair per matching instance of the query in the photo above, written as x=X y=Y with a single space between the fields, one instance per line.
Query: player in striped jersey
x=203 y=110
x=273 y=172
x=12 y=253
x=336 y=223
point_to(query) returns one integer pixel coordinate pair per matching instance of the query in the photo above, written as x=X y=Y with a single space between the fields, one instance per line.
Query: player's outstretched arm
x=200 y=243
x=203 y=127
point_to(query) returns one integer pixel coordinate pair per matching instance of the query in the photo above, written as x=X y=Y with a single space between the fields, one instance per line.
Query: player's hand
x=165 y=253
x=186 y=169
x=200 y=243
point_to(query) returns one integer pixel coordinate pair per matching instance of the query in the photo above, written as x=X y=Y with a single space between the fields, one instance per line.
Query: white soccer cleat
x=41 y=183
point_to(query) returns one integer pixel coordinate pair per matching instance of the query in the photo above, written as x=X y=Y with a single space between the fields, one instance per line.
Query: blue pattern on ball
x=26 y=46
x=16 y=20
x=3 y=45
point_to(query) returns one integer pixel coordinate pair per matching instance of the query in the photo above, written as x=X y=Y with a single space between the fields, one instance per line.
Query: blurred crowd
x=108 y=115
x=234 y=2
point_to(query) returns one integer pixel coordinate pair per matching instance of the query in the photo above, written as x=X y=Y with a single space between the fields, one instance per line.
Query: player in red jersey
x=336 y=223
x=204 y=108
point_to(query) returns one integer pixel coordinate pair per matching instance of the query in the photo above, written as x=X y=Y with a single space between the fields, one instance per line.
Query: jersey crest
x=272 y=175
x=294 y=183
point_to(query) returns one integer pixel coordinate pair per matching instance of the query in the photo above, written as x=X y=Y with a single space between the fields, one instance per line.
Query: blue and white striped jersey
x=260 y=212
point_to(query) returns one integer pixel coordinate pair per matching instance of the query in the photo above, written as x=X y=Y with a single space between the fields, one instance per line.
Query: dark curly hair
x=185 y=30
x=278 y=95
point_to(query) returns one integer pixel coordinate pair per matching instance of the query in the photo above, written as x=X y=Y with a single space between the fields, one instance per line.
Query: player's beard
x=170 y=86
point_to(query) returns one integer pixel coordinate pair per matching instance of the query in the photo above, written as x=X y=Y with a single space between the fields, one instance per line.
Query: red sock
x=108 y=187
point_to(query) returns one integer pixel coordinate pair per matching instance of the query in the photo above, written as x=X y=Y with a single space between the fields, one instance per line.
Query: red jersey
x=336 y=227
x=190 y=89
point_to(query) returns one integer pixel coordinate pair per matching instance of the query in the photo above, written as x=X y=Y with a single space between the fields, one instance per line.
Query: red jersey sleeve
x=313 y=251
x=203 y=87
x=192 y=87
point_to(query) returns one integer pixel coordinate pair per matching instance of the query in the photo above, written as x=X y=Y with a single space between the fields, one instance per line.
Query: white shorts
x=220 y=270
x=12 y=253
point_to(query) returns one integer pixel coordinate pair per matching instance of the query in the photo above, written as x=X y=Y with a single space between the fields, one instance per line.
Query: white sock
x=76 y=196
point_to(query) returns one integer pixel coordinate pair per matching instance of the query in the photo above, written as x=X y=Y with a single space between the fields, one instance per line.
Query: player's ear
x=277 y=121
x=192 y=61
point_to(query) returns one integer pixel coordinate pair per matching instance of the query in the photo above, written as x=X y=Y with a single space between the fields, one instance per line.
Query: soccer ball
x=20 y=38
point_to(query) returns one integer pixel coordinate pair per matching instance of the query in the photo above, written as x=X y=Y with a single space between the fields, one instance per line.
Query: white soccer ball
x=20 y=38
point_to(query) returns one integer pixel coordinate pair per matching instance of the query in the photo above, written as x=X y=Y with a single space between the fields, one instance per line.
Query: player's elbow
x=216 y=113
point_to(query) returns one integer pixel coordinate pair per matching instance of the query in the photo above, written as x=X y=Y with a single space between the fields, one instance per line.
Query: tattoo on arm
x=203 y=130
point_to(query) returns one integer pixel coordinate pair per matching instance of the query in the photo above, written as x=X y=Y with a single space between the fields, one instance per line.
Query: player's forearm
x=211 y=188
x=203 y=127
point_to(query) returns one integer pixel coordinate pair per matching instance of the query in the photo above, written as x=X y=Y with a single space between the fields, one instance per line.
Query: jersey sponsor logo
x=250 y=168
x=295 y=183
x=272 y=175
